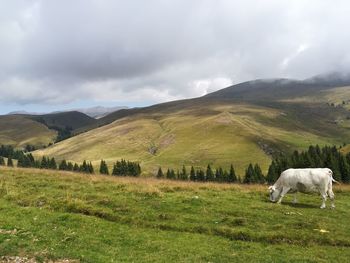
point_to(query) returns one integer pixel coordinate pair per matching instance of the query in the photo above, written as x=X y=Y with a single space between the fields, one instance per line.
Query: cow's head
x=274 y=193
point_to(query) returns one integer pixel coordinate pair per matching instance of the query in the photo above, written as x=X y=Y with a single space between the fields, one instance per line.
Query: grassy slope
x=96 y=219
x=73 y=119
x=18 y=130
x=221 y=133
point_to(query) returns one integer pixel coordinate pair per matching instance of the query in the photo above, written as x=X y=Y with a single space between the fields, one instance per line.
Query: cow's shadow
x=301 y=205
x=294 y=205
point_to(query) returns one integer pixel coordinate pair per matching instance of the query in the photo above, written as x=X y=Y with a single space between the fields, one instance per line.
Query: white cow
x=304 y=181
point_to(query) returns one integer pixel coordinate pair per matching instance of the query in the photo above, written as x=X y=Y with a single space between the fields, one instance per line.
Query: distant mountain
x=23 y=112
x=99 y=111
x=94 y=112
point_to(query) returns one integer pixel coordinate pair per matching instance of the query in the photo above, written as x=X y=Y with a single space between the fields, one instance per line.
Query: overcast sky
x=63 y=54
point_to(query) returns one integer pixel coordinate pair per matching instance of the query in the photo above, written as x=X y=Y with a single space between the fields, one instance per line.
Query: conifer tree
x=183 y=174
x=219 y=175
x=160 y=173
x=52 y=164
x=9 y=161
x=209 y=174
x=2 y=161
x=76 y=168
x=63 y=165
x=200 y=175
x=193 y=174
x=258 y=175
x=170 y=174
x=103 y=167
x=249 y=175
x=272 y=174
x=70 y=166
x=90 y=168
x=232 y=178
x=44 y=163
x=83 y=167
x=344 y=169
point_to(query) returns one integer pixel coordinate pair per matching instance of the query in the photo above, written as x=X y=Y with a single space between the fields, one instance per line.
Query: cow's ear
x=270 y=187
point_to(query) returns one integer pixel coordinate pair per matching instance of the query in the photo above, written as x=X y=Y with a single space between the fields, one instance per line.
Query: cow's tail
x=333 y=180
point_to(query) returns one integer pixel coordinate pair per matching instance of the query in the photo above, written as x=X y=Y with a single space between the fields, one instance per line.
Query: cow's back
x=306 y=180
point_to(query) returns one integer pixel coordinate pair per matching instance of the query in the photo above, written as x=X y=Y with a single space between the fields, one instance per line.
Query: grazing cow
x=304 y=181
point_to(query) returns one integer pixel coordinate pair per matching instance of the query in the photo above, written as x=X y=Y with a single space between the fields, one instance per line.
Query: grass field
x=58 y=215
x=219 y=134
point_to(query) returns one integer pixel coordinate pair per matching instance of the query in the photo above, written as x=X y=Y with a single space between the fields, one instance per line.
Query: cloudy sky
x=65 y=54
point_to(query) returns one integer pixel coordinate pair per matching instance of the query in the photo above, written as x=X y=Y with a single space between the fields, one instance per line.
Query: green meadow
x=52 y=215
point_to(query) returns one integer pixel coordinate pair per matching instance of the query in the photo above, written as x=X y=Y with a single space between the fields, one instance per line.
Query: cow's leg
x=331 y=196
x=295 y=198
x=283 y=193
x=324 y=198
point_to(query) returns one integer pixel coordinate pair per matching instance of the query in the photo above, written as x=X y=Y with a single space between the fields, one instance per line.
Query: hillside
x=245 y=123
x=54 y=215
x=19 y=131
x=73 y=119
x=39 y=130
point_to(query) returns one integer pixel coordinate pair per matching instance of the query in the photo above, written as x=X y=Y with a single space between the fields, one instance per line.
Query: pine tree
x=200 y=175
x=70 y=166
x=344 y=169
x=84 y=167
x=52 y=164
x=31 y=159
x=232 y=178
x=63 y=165
x=209 y=174
x=193 y=174
x=90 y=168
x=44 y=163
x=170 y=174
x=272 y=174
x=2 y=161
x=103 y=168
x=20 y=161
x=249 y=175
x=76 y=168
x=183 y=174
x=160 y=173
x=225 y=176
x=258 y=175
x=9 y=161
x=219 y=175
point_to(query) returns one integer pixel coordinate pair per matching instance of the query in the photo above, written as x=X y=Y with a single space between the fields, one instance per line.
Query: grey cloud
x=56 y=51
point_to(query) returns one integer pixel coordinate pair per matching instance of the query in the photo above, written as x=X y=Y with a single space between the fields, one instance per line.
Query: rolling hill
x=244 y=123
x=39 y=130
x=19 y=131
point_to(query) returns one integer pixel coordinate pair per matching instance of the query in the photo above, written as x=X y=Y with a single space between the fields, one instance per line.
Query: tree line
x=26 y=160
x=199 y=175
x=314 y=157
